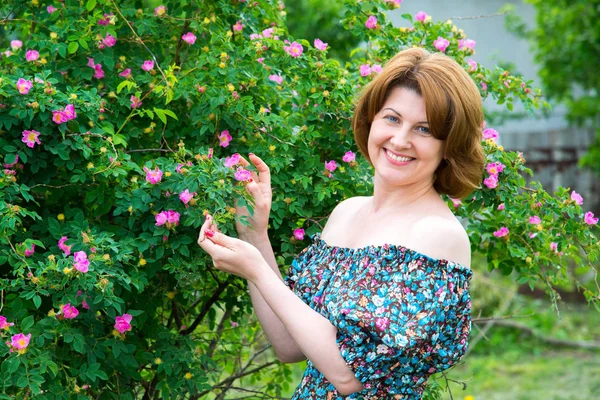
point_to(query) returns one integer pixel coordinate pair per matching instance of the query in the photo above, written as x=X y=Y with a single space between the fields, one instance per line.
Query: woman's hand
x=229 y=254
x=260 y=190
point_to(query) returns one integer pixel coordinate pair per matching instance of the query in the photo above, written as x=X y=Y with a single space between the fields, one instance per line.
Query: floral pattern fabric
x=400 y=315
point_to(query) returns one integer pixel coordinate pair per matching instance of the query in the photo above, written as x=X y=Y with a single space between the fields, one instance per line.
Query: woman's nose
x=401 y=138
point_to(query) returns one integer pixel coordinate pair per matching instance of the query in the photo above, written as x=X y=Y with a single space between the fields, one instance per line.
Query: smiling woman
x=380 y=300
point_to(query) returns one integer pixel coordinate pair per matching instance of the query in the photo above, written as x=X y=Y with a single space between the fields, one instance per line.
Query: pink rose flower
x=160 y=218
x=16 y=44
x=365 y=70
x=242 y=175
x=319 y=44
x=148 y=65
x=173 y=217
x=371 y=22
x=238 y=26
x=501 y=206
x=472 y=65
x=466 y=44
x=421 y=16
x=268 y=32
x=61 y=245
x=376 y=68
x=299 y=233
x=535 y=220
x=491 y=181
x=589 y=218
x=59 y=117
x=5 y=325
x=490 y=133
x=135 y=102
x=99 y=73
x=189 y=38
x=576 y=197
x=123 y=322
x=210 y=153
x=20 y=341
x=69 y=311
x=31 y=138
x=295 y=49
x=29 y=252
x=153 y=176
x=186 y=196
x=51 y=9
x=276 y=78
x=456 y=202
x=24 y=86
x=70 y=112
x=441 y=44
x=554 y=246
x=494 y=168
x=349 y=156
x=126 y=73
x=501 y=232
x=109 y=40
x=84 y=304
x=81 y=261
x=233 y=160
x=32 y=55
x=160 y=11
x=224 y=138
x=330 y=166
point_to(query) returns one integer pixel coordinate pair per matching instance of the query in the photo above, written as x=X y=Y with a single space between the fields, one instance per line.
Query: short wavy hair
x=454 y=113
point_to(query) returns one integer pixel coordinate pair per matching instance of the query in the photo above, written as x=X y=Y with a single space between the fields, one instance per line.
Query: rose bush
x=120 y=128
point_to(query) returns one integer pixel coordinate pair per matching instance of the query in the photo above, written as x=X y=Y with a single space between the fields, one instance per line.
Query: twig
x=209 y=303
x=480 y=16
x=594 y=345
x=147 y=150
x=140 y=41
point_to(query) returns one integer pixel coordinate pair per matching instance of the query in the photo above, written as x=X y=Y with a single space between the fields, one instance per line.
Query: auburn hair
x=454 y=113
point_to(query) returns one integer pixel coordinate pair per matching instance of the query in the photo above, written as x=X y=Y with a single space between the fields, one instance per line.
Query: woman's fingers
x=245 y=163
x=264 y=174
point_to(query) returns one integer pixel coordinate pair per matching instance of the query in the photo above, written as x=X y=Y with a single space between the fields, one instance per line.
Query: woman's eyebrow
x=400 y=115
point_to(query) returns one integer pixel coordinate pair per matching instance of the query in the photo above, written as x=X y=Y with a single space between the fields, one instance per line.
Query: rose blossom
x=242 y=175
x=294 y=50
x=189 y=38
x=319 y=44
x=233 y=160
x=441 y=44
x=371 y=22
x=32 y=55
x=576 y=197
x=501 y=232
x=5 y=325
x=148 y=65
x=224 y=138
x=349 y=157
x=490 y=133
x=16 y=44
x=24 y=86
x=69 y=311
x=299 y=233
x=330 y=166
x=153 y=176
x=186 y=196
x=589 y=218
x=421 y=16
x=31 y=138
x=122 y=323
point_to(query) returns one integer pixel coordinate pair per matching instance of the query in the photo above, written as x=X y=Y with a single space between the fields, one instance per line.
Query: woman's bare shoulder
x=342 y=211
x=442 y=237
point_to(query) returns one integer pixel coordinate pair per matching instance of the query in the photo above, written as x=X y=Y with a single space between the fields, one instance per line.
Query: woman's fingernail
x=209 y=232
x=251 y=154
x=250 y=180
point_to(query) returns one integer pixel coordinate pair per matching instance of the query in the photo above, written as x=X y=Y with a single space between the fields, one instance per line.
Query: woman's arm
x=285 y=346
x=313 y=333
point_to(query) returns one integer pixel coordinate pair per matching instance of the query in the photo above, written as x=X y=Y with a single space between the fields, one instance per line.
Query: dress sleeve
x=424 y=329
x=291 y=277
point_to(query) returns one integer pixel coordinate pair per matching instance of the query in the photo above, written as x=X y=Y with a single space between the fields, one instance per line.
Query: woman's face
x=401 y=147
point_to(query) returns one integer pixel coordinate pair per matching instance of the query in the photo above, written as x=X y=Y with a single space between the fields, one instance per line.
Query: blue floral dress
x=400 y=315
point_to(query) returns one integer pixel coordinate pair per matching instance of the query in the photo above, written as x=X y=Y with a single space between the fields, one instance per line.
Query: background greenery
x=193 y=334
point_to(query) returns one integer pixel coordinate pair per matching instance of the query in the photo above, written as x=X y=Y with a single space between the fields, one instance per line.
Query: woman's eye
x=391 y=118
x=424 y=129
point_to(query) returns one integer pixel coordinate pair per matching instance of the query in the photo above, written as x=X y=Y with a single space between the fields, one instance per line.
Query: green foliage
x=88 y=180
x=565 y=44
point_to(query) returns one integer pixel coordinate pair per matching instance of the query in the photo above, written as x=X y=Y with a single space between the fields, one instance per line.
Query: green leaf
x=90 y=5
x=73 y=46
x=37 y=301
x=27 y=323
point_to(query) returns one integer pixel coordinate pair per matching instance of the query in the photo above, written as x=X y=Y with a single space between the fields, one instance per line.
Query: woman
x=380 y=300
